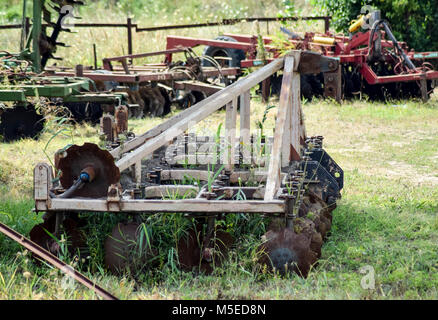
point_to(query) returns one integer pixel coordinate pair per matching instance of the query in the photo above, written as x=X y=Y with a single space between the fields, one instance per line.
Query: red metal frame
x=350 y=51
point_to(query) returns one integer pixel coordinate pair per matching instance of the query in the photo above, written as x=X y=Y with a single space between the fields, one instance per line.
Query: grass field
x=387 y=219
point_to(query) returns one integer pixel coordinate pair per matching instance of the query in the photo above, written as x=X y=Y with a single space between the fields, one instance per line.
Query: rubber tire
x=236 y=55
x=85 y=111
x=168 y=104
x=21 y=122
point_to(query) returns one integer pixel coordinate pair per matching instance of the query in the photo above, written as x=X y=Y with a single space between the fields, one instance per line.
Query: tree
x=412 y=21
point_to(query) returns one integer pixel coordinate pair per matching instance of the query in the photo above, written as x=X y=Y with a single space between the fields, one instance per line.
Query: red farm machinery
x=372 y=61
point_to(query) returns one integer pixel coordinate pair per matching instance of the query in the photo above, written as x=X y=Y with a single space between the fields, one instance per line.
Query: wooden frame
x=288 y=140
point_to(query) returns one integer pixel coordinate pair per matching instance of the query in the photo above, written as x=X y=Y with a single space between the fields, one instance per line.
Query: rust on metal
x=198 y=251
x=50 y=258
x=127 y=249
x=302 y=188
x=76 y=158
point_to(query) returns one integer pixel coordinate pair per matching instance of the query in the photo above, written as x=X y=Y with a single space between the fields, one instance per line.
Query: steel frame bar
x=54 y=261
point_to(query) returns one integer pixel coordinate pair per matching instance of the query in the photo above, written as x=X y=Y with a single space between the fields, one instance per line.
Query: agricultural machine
x=26 y=92
x=155 y=87
x=373 y=62
x=147 y=90
x=288 y=178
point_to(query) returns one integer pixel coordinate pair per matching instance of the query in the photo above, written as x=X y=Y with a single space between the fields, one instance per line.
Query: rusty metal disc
x=193 y=256
x=44 y=235
x=286 y=251
x=308 y=228
x=126 y=249
x=321 y=214
x=72 y=161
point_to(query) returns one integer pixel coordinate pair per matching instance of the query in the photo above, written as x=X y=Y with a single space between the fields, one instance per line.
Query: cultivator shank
x=372 y=61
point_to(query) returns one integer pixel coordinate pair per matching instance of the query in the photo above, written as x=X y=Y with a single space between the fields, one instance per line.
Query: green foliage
x=10 y=11
x=411 y=20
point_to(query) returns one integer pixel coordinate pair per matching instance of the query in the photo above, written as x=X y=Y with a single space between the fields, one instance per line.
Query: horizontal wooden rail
x=180 y=206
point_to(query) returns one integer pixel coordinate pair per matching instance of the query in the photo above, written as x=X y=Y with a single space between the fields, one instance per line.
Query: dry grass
x=387 y=218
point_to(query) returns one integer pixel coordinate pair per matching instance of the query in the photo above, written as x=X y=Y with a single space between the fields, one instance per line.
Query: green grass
x=387 y=217
x=112 y=42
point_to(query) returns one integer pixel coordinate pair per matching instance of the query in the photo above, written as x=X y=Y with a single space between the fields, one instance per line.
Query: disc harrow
x=293 y=183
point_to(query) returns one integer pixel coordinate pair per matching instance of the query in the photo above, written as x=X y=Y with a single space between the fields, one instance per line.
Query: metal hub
x=287 y=251
x=283 y=259
x=73 y=161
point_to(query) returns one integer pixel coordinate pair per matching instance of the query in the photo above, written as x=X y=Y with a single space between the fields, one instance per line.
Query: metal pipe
x=23 y=27
x=36 y=31
x=54 y=261
x=394 y=40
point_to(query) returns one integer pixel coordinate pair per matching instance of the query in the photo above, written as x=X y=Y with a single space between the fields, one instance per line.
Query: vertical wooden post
x=230 y=134
x=245 y=127
x=286 y=97
x=266 y=89
x=326 y=24
x=296 y=131
x=95 y=56
x=287 y=139
x=423 y=89
x=129 y=27
x=79 y=71
x=27 y=27
x=137 y=168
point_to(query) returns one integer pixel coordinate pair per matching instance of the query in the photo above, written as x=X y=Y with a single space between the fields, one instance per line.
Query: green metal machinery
x=23 y=90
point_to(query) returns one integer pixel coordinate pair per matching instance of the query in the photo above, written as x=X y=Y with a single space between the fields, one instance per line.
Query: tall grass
x=113 y=41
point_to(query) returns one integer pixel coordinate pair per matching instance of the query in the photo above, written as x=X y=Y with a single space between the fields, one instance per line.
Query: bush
x=412 y=21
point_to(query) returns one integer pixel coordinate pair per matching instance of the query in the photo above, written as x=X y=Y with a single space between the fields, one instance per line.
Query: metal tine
x=55 y=58
x=59 y=9
x=62 y=44
x=67 y=2
x=47 y=15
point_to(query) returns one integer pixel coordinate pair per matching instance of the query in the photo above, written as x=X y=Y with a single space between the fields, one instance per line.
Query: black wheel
x=235 y=55
x=21 y=122
x=199 y=96
x=167 y=103
x=310 y=85
x=186 y=101
x=87 y=111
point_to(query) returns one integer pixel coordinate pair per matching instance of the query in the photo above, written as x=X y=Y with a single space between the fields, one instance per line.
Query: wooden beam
x=230 y=134
x=179 y=206
x=137 y=168
x=176 y=125
x=274 y=171
x=203 y=175
x=296 y=128
x=245 y=127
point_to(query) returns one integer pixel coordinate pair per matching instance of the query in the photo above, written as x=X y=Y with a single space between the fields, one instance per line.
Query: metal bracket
x=42 y=184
